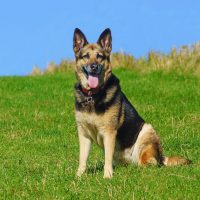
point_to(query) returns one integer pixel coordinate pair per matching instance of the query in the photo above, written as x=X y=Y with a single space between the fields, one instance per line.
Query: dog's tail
x=175 y=160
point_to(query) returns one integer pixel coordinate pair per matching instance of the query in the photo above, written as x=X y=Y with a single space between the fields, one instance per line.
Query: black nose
x=94 y=67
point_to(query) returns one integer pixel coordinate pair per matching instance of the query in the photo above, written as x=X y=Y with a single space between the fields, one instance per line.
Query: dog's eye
x=86 y=56
x=100 y=56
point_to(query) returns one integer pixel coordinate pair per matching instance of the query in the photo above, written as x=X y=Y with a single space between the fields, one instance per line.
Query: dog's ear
x=79 y=40
x=105 y=40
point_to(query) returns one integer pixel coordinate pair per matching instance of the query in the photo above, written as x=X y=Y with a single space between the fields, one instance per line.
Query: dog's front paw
x=108 y=173
x=80 y=171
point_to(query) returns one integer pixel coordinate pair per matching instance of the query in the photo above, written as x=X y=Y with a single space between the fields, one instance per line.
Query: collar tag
x=88 y=101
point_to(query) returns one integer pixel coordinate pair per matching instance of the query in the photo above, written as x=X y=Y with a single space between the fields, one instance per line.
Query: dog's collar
x=90 y=92
x=90 y=95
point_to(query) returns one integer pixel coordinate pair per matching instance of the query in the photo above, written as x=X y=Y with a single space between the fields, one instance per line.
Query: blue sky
x=36 y=32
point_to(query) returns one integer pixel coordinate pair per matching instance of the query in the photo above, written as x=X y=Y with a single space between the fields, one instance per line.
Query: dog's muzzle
x=92 y=69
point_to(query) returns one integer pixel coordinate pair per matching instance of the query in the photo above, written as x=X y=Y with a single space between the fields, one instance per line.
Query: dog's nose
x=93 y=67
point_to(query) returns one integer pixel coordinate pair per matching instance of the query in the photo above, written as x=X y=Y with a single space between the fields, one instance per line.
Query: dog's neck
x=84 y=101
x=91 y=91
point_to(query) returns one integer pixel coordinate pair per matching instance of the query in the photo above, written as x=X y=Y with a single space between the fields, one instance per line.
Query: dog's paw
x=108 y=173
x=80 y=171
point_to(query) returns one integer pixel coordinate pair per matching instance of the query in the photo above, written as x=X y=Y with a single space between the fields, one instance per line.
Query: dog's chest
x=92 y=125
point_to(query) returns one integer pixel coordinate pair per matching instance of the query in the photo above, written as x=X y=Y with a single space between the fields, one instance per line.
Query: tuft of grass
x=36 y=71
x=184 y=60
x=39 y=144
x=53 y=68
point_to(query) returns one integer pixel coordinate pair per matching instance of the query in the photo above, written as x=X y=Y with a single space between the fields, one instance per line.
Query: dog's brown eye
x=87 y=56
x=100 y=56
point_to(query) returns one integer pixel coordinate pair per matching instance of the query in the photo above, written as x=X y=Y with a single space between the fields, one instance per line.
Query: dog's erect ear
x=79 y=40
x=105 y=40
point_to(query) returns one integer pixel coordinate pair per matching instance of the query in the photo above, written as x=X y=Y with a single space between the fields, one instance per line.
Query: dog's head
x=92 y=60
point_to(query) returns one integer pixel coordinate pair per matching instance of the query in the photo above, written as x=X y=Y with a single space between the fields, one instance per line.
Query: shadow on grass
x=98 y=167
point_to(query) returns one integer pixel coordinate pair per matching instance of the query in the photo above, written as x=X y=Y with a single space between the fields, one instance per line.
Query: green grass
x=39 y=144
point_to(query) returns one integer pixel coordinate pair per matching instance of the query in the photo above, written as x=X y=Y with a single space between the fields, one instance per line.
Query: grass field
x=39 y=143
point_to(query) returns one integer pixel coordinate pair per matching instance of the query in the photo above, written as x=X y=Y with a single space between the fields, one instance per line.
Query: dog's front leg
x=109 y=147
x=84 y=145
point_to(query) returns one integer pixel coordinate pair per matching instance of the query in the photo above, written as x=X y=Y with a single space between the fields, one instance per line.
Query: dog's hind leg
x=150 y=155
x=85 y=144
x=147 y=149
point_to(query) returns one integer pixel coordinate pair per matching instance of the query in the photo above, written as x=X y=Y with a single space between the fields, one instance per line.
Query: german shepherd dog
x=104 y=115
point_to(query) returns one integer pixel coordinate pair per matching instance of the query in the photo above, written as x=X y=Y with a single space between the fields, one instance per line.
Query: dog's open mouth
x=92 y=73
x=93 y=81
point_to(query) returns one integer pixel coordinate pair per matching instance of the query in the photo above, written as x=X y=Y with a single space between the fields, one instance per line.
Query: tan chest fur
x=96 y=126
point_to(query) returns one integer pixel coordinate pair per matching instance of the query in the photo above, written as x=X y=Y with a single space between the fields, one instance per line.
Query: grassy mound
x=39 y=143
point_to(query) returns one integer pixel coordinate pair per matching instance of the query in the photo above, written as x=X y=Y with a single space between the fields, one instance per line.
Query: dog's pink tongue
x=93 y=81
